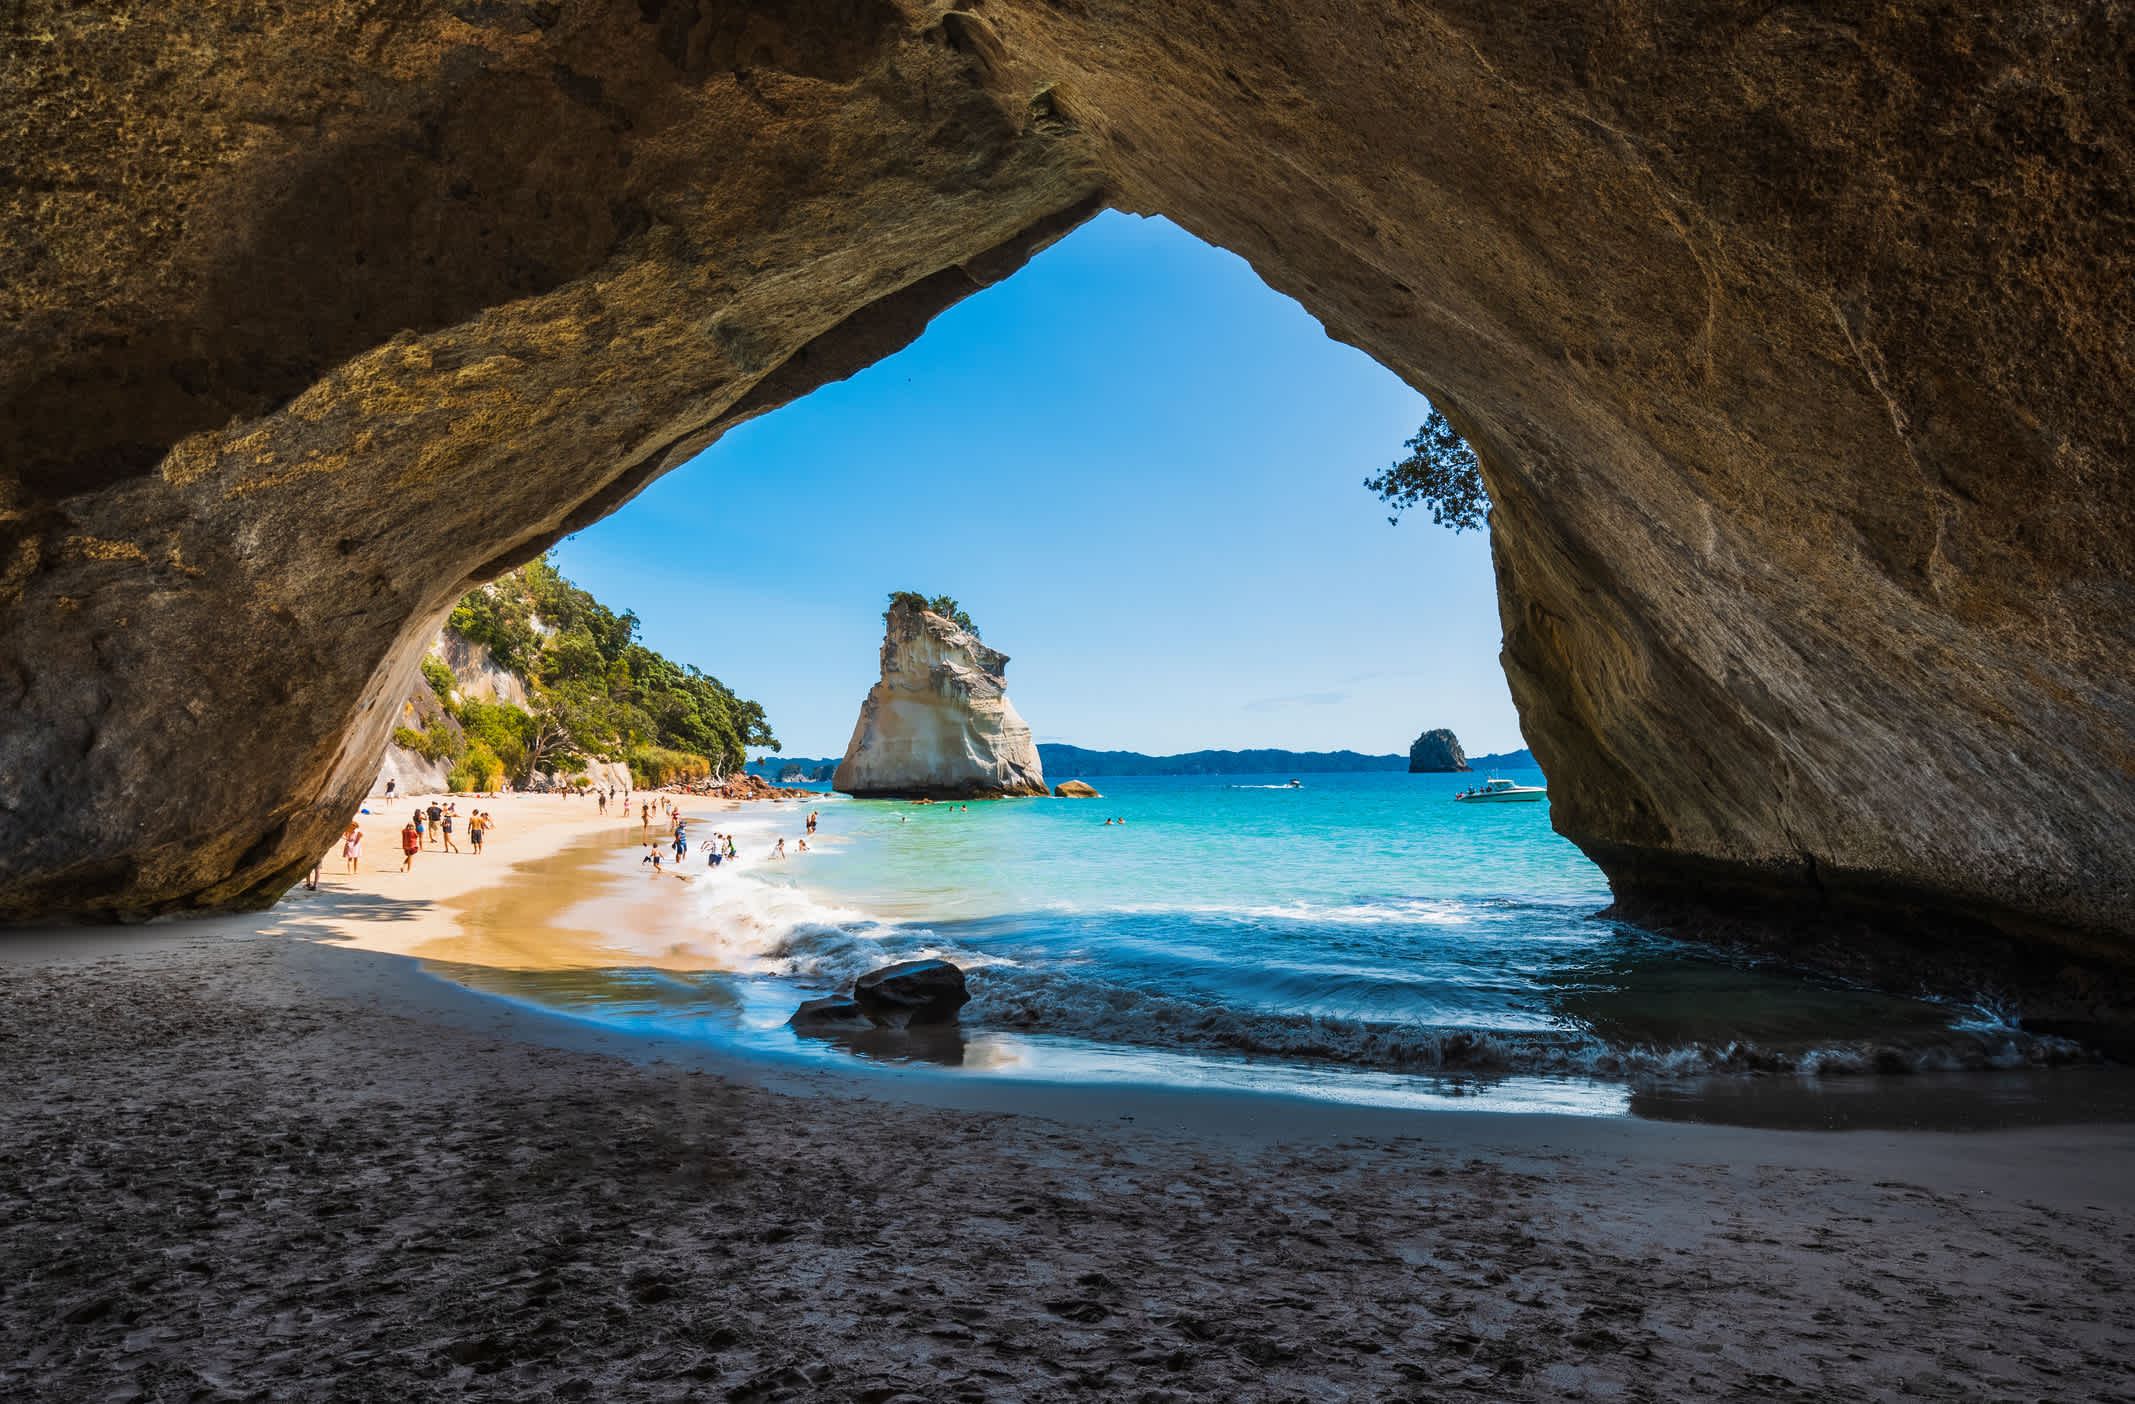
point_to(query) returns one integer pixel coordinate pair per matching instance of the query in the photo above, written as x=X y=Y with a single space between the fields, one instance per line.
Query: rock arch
x=1796 y=344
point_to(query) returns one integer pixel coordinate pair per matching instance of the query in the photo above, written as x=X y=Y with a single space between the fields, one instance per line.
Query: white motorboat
x=1495 y=791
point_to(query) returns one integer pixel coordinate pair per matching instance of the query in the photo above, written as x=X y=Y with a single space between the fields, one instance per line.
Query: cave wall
x=1795 y=341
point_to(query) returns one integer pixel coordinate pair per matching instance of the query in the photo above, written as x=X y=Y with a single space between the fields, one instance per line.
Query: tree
x=942 y=605
x=549 y=738
x=1442 y=473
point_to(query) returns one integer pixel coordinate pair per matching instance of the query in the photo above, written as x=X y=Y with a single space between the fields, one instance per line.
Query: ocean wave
x=757 y=925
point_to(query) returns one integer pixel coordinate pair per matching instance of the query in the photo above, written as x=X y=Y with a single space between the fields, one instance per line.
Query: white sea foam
x=752 y=921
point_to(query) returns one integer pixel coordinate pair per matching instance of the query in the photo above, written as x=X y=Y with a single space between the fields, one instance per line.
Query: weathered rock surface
x=912 y=992
x=830 y=1013
x=1075 y=789
x=1436 y=753
x=939 y=724
x=1794 y=342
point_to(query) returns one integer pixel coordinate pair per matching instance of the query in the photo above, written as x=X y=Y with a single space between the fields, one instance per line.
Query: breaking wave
x=770 y=928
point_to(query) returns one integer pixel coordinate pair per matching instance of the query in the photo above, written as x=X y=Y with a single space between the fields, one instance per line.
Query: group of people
x=720 y=850
x=434 y=825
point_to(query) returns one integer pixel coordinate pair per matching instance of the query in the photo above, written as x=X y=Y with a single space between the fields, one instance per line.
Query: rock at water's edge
x=830 y=1013
x=1075 y=789
x=1435 y=753
x=912 y=992
x=939 y=724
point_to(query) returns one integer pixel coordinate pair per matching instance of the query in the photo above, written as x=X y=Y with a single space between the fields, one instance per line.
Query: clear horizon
x=1139 y=469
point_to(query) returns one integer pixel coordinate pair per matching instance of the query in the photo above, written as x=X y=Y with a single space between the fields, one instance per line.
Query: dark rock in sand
x=1075 y=789
x=912 y=992
x=1435 y=753
x=833 y=1013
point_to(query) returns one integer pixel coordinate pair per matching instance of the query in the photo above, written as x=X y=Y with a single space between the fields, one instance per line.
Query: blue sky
x=1138 y=468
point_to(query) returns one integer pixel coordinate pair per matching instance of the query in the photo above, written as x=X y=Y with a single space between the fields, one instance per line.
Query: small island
x=1437 y=753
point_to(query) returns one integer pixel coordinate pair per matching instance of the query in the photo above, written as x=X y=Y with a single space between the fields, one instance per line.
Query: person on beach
x=411 y=843
x=652 y=856
x=801 y=845
x=389 y=788
x=450 y=847
x=352 y=844
x=780 y=851
x=436 y=813
x=712 y=855
x=476 y=823
x=812 y=818
x=417 y=821
x=602 y=800
x=681 y=843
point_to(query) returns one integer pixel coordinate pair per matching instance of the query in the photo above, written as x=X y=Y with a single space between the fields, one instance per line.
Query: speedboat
x=1495 y=791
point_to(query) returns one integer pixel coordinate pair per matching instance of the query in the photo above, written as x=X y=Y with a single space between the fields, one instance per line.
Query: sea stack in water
x=1435 y=753
x=939 y=724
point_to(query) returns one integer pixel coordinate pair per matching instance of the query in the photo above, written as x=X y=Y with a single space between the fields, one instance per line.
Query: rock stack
x=939 y=724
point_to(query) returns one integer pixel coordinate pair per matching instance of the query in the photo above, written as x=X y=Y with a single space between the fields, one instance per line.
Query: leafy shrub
x=433 y=743
x=501 y=729
x=654 y=766
x=478 y=769
x=439 y=677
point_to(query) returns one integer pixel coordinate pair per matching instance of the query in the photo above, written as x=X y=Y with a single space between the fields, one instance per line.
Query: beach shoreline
x=271 y=1153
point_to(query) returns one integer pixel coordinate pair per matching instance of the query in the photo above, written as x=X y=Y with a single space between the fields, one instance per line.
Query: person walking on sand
x=352 y=844
x=476 y=823
x=411 y=843
x=436 y=813
x=450 y=847
x=417 y=821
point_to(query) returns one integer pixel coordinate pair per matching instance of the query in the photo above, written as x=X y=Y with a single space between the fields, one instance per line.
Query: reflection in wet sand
x=572 y=912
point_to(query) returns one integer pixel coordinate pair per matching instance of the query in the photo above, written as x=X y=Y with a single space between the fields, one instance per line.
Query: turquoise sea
x=1359 y=937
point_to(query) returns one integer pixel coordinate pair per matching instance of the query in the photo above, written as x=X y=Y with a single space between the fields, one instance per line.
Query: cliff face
x=939 y=725
x=1793 y=341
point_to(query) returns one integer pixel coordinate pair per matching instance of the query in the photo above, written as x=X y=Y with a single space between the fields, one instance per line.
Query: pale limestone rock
x=939 y=725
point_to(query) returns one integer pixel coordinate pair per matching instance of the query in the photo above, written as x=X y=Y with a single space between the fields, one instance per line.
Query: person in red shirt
x=411 y=842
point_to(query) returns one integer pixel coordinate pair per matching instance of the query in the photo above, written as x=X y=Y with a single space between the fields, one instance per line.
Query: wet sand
x=268 y=1157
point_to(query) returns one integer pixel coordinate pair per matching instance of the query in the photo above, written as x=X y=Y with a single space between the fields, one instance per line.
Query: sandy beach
x=268 y=1157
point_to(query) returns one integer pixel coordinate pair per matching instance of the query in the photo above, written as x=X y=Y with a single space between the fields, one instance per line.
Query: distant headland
x=1063 y=762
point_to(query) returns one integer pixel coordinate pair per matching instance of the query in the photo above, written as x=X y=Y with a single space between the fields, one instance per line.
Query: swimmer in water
x=780 y=851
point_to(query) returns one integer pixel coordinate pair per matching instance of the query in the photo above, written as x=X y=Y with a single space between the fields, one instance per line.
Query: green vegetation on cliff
x=942 y=605
x=594 y=693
